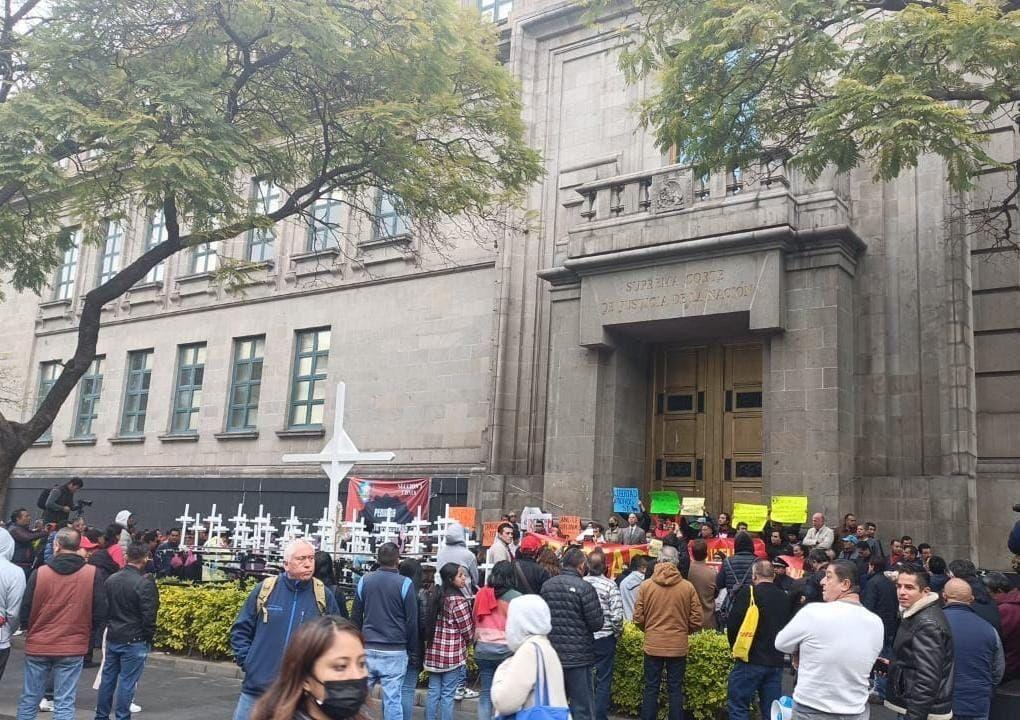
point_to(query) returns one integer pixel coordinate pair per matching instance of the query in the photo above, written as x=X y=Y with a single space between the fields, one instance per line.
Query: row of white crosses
x=257 y=533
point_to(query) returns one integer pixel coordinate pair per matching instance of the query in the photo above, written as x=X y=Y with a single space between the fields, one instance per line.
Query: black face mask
x=344 y=698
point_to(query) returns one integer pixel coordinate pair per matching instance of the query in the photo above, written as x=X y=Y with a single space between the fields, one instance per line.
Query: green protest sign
x=665 y=502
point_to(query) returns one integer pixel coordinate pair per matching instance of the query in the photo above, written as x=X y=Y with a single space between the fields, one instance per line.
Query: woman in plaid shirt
x=449 y=629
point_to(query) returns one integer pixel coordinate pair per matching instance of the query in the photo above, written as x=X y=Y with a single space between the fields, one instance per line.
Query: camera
x=81 y=504
x=1016 y=508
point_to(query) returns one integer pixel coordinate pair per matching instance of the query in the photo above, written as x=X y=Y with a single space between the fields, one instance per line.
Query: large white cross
x=337 y=458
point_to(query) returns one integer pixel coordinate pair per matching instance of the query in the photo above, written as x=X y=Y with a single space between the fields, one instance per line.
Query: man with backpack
x=57 y=503
x=735 y=573
x=275 y=608
x=386 y=610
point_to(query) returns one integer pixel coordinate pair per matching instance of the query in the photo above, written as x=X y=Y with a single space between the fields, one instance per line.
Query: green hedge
x=708 y=667
x=196 y=619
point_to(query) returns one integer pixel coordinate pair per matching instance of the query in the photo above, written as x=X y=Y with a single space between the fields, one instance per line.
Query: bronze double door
x=706 y=423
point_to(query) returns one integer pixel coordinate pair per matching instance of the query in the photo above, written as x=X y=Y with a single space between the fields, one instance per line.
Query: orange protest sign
x=570 y=526
x=464 y=515
x=489 y=532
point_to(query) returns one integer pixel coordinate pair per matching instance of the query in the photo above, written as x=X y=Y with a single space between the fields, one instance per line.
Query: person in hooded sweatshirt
x=668 y=610
x=12 y=589
x=126 y=521
x=456 y=551
x=528 y=624
x=63 y=601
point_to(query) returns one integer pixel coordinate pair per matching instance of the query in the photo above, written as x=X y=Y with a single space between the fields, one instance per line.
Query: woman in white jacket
x=513 y=687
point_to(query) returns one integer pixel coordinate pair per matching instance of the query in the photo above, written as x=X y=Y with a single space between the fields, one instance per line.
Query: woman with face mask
x=323 y=675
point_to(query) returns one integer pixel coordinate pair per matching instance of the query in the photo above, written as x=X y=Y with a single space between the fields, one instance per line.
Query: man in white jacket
x=12 y=588
x=528 y=623
x=818 y=535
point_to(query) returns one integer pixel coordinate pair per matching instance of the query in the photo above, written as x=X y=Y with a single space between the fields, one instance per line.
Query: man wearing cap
x=849 y=549
x=529 y=576
x=783 y=581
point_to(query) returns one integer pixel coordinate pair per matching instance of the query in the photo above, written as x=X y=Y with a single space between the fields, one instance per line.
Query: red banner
x=725 y=546
x=375 y=499
x=617 y=556
x=796 y=569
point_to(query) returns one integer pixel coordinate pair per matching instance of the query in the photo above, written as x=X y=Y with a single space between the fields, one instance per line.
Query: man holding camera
x=60 y=502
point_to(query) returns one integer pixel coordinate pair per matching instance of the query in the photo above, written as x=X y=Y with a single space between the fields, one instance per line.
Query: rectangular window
x=63 y=285
x=324 y=228
x=155 y=234
x=245 y=383
x=204 y=257
x=113 y=246
x=90 y=387
x=48 y=374
x=495 y=10
x=388 y=222
x=308 y=392
x=265 y=199
x=188 y=393
x=136 y=392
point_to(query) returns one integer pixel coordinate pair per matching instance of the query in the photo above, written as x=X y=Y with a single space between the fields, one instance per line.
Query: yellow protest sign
x=789 y=509
x=693 y=506
x=754 y=515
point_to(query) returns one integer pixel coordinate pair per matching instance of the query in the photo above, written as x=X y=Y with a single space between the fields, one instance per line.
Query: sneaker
x=19 y=631
x=468 y=693
x=46 y=705
x=135 y=708
x=458 y=694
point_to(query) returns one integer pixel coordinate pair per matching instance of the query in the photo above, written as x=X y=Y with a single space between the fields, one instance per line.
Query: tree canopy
x=833 y=82
x=105 y=104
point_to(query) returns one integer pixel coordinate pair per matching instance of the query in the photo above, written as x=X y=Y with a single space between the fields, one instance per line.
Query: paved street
x=182 y=690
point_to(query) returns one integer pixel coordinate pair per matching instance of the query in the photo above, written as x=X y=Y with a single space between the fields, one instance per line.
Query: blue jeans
x=674 y=667
x=387 y=668
x=580 y=697
x=486 y=671
x=442 y=687
x=65 y=671
x=746 y=681
x=245 y=704
x=605 y=653
x=122 y=668
x=407 y=690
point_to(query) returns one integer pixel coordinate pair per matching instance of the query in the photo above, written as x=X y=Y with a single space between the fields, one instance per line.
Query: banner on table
x=626 y=500
x=796 y=569
x=665 y=502
x=693 y=506
x=617 y=556
x=725 y=546
x=464 y=515
x=754 y=515
x=789 y=509
x=374 y=499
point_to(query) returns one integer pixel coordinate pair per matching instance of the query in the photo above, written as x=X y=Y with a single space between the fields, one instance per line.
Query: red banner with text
x=381 y=500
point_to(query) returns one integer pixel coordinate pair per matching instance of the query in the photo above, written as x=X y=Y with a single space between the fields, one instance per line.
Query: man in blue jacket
x=275 y=608
x=977 y=650
x=386 y=610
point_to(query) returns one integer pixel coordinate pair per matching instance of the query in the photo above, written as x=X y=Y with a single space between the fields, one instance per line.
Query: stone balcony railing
x=671 y=204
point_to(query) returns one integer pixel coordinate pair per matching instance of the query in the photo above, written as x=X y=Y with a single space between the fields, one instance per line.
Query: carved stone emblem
x=670 y=196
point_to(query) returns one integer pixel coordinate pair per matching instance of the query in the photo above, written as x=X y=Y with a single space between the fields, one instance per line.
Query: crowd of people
x=859 y=621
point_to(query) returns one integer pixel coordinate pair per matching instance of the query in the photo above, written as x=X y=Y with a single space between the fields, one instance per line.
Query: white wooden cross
x=241 y=531
x=291 y=527
x=185 y=520
x=215 y=522
x=337 y=459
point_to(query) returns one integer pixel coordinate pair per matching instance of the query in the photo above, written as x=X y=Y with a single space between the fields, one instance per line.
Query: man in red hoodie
x=63 y=601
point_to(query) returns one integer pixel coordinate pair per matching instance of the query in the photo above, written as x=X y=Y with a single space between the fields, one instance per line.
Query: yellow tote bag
x=745 y=636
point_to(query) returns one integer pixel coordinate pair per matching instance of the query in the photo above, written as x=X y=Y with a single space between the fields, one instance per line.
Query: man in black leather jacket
x=921 y=673
x=131 y=624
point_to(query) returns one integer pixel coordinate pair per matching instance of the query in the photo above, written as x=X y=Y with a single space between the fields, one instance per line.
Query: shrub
x=197 y=618
x=708 y=667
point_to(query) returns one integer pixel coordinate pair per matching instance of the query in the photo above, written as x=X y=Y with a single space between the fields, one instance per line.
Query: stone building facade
x=739 y=335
